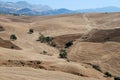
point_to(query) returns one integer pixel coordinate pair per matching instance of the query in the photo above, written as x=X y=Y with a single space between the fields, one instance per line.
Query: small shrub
x=41 y=38
x=107 y=39
x=68 y=60
x=38 y=62
x=107 y=74
x=44 y=52
x=63 y=53
x=12 y=47
x=31 y=31
x=96 y=67
x=117 y=78
x=48 y=39
x=44 y=39
x=13 y=37
x=52 y=44
x=68 y=44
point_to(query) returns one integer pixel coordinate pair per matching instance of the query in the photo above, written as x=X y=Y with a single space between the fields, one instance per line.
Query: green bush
x=63 y=53
x=107 y=74
x=13 y=37
x=52 y=44
x=31 y=31
x=96 y=67
x=41 y=38
x=117 y=78
x=48 y=40
x=44 y=39
x=68 y=44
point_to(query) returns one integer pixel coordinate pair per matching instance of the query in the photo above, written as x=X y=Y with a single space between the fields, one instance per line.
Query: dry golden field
x=96 y=42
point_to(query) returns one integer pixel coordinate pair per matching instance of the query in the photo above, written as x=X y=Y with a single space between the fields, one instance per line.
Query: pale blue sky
x=74 y=4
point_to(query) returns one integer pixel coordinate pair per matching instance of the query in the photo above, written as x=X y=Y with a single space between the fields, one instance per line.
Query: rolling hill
x=95 y=39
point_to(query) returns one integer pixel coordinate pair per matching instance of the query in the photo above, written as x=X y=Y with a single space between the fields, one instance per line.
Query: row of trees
x=46 y=39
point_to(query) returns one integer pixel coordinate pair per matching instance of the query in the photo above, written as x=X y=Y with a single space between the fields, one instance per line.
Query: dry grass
x=62 y=28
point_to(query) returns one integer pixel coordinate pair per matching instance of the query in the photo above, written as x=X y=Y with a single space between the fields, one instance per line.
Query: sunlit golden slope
x=63 y=28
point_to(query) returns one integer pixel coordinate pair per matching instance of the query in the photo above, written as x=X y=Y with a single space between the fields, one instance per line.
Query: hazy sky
x=74 y=4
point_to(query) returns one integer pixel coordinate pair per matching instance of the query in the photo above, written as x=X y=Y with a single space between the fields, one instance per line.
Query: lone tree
x=13 y=37
x=63 y=53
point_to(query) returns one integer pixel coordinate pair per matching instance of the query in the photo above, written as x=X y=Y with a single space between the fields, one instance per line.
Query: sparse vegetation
x=41 y=38
x=13 y=37
x=44 y=39
x=12 y=47
x=79 y=49
x=107 y=39
x=48 y=40
x=68 y=44
x=52 y=44
x=117 y=78
x=63 y=53
x=31 y=31
x=44 y=52
x=96 y=67
x=108 y=74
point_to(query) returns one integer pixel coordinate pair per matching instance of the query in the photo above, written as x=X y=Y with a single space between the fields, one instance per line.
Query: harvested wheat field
x=91 y=41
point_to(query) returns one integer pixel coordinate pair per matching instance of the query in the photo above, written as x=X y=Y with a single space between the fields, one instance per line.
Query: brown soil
x=63 y=39
x=8 y=44
x=102 y=35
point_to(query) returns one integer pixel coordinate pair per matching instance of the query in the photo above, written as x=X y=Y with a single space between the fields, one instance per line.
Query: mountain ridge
x=25 y=8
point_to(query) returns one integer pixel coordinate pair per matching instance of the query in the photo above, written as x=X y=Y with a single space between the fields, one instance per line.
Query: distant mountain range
x=23 y=7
